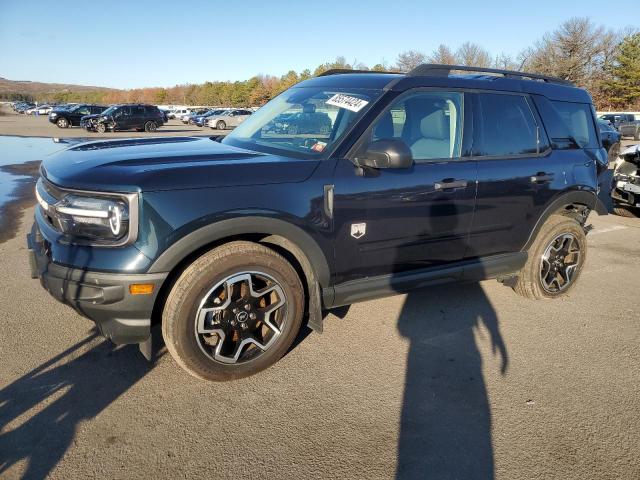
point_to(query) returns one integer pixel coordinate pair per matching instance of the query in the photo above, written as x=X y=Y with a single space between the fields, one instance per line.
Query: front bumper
x=101 y=297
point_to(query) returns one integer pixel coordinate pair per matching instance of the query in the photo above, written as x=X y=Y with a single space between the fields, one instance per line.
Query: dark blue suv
x=437 y=175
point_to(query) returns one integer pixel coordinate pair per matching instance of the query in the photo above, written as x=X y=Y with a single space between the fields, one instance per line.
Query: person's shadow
x=445 y=426
x=73 y=386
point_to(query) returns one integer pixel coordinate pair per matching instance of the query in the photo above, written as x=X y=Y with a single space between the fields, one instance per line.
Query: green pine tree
x=624 y=86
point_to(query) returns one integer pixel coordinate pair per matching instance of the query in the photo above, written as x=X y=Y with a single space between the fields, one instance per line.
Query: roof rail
x=437 y=70
x=338 y=71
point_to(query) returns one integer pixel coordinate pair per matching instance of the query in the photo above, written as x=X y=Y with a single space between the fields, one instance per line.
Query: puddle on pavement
x=19 y=162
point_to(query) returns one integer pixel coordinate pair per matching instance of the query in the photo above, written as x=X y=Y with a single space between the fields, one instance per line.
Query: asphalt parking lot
x=458 y=381
x=12 y=123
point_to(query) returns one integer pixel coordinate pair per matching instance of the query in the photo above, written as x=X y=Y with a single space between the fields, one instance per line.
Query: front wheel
x=101 y=128
x=233 y=312
x=62 y=123
x=555 y=259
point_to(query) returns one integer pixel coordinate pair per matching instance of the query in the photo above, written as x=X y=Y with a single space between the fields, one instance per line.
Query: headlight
x=98 y=219
x=53 y=114
x=95 y=219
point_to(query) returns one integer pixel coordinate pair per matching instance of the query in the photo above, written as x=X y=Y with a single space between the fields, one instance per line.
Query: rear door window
x=504 y=126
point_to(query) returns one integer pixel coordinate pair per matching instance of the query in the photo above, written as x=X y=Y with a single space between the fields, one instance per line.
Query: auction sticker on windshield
x=345 y=101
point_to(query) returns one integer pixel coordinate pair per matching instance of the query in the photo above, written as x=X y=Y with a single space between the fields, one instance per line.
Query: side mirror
x=386 y=153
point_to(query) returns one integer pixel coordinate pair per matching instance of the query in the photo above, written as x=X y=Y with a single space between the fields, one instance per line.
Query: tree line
x=604 y=61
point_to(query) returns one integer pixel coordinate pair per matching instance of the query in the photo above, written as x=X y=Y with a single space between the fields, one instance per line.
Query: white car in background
x=229 y=119
x=178 y=112
x=31 y=111
x=44 y=109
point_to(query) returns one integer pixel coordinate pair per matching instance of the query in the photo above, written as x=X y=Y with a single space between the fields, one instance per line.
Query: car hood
x=152 y=164
x=89 y=117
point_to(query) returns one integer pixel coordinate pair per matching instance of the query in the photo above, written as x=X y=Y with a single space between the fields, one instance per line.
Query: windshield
x=110 y=110
x=305 y=120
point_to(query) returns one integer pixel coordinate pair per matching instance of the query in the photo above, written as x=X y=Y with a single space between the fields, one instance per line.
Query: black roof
x=441 y=76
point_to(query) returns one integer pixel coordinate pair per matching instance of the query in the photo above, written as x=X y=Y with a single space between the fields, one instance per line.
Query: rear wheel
x=233 y=312
x=555 y=259
x=62 y=123
x=626 y=211
x=150 y=126
x=220 y=125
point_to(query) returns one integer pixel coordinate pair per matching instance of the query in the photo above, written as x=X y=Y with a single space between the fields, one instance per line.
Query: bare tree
x=409 y=60
x=473 y=55
x=442 y=55
x=504 y=61
x=578 y=51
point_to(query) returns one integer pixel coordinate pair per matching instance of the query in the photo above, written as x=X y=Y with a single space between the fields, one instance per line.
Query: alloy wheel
x=559 y=263
x=240 y=317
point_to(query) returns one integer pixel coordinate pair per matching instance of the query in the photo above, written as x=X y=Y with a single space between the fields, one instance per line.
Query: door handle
x=449 y=184
x=542 y=177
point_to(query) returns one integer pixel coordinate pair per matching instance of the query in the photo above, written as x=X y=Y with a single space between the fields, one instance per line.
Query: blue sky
x=140 y=43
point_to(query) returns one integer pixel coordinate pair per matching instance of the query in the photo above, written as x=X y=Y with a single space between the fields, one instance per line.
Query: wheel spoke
x=559 y=263
x=248 y=305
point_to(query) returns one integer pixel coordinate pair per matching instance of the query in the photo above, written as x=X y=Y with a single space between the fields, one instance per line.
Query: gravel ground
x=458 y=381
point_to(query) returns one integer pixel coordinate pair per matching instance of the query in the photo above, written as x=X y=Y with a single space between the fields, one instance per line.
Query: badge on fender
x=358 y=230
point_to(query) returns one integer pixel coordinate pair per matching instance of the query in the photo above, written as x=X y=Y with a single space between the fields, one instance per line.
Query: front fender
x=231 y=227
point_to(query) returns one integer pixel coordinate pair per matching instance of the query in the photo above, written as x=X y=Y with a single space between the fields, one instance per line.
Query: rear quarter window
x=568 y=124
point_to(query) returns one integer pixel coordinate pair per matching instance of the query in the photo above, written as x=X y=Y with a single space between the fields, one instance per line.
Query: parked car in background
x=625 y=185
x=228 y=119
x=71 y=116
x=21 y=108
x=200 y=120
x=45 y=109
x=612 y=118
x=630 y=126
x=186 y=119
x=140 y=117
x=178 y=112
x=31 y=110
x=610 y=139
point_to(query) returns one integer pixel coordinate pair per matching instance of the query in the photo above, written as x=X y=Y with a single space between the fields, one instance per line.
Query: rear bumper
x=101 y=297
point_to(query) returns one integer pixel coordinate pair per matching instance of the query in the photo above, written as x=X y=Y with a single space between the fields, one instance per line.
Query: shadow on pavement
x=41 y=411
x=445 y=430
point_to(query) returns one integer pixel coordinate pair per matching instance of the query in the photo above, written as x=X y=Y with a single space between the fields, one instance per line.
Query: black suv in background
x=233 y=244
x=140 y=117
x=71 y=116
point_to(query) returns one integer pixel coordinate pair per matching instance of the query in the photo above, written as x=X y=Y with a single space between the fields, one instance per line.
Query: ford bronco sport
x=233 y=244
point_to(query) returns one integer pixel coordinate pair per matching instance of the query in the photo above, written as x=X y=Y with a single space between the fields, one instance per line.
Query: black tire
x=101 y=128
x=220 y=125
x=150 y=126
x=193 y=287
x=529 y=283
x=628 y=212
x=62 y=123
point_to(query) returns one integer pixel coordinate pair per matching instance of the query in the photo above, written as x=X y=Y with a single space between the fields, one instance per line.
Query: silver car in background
x=229 y=119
